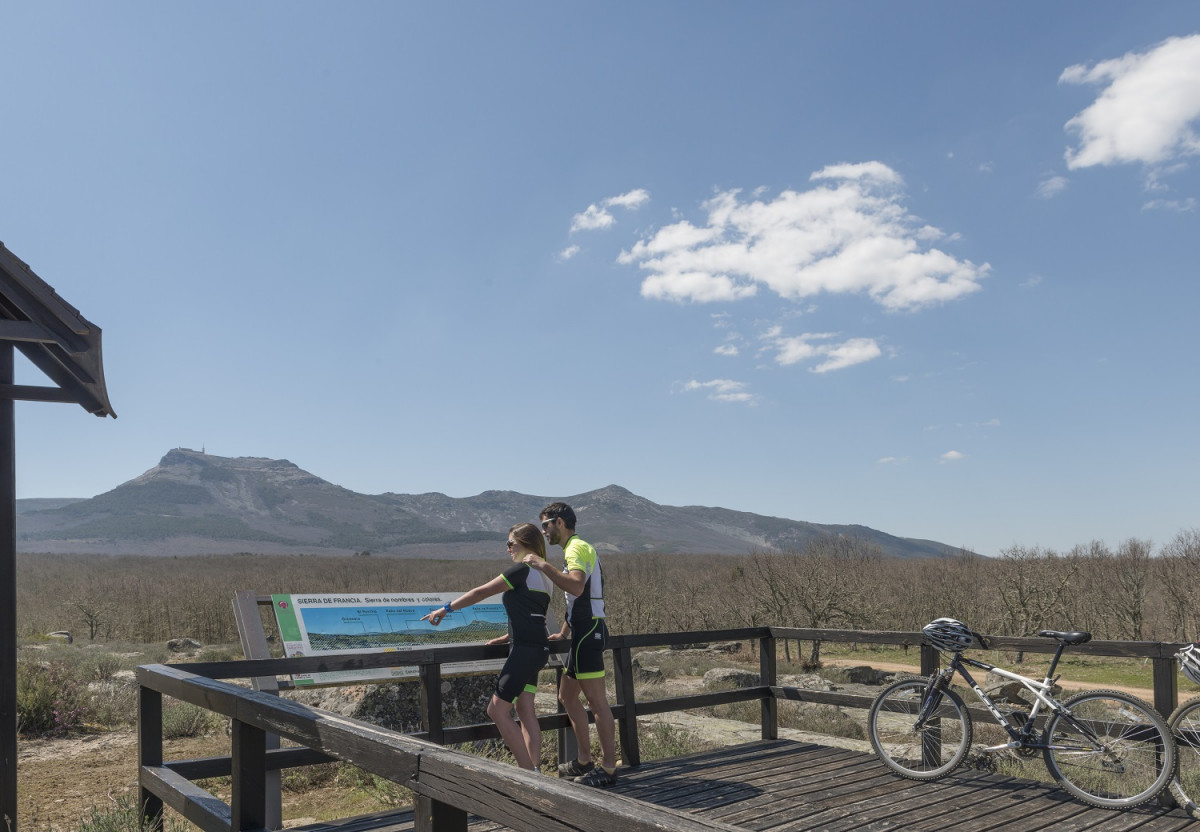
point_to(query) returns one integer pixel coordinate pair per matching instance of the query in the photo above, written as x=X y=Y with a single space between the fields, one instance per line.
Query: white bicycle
x=1105 y=747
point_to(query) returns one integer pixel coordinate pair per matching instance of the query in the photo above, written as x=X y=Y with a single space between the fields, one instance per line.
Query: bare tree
x=1031 y=586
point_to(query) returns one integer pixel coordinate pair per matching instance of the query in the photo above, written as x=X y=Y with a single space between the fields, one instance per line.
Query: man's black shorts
x=586 y=659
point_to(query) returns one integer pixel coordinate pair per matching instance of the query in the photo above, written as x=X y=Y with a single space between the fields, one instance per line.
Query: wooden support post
x=931 y=660
x=249 y=803
x=931 y=742
x=568 y=747
x=623 y=677
x=150 y=753
x=8 y=599
x=767 y=672
x=431 y=815
x=431 y=701
x=248 y=617
x=1166 y=685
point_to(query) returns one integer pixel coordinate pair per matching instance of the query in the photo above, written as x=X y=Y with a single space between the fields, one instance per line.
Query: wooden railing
x=449 y=784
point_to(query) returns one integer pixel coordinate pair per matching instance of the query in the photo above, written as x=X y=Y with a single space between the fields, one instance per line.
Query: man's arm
x=572 y=582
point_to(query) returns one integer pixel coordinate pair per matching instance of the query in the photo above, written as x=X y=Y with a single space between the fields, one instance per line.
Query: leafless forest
x=1134 y=591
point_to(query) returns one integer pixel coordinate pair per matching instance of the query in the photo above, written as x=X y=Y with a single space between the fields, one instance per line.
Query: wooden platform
x=786 y=786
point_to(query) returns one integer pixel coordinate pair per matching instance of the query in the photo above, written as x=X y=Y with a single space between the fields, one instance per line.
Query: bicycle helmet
x=949 y=635
x=1189 y=662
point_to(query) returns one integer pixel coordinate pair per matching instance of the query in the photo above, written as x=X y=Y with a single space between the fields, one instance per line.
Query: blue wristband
x=446 y=607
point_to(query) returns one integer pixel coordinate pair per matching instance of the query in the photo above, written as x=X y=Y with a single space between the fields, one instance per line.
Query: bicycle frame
x=1024 y=737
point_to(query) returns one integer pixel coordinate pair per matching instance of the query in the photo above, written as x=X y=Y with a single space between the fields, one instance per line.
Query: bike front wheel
x=1109 y=749
x=1185 y=727
x=930 y=751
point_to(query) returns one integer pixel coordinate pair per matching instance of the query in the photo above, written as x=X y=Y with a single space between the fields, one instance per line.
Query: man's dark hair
x=557 y=510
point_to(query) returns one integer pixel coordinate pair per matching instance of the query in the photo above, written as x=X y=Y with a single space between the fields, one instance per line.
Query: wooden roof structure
x=53 y=336
x=66 y=347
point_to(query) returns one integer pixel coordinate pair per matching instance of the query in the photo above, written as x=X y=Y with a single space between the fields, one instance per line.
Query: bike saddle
x=1067 y=638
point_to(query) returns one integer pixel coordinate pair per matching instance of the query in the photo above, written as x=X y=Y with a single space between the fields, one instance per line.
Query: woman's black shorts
x=520 y=672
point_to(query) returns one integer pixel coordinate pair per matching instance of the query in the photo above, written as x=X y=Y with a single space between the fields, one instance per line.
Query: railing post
x=623 y=679
x=767 y=669
x=150 y=753
x=248 y=805
x=1166 y=685
x=568 y=746
x=434 y=816
x=931 y=744
x=431 y=701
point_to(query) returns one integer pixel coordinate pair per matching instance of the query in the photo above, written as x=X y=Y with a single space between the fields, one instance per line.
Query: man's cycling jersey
x=581 y=609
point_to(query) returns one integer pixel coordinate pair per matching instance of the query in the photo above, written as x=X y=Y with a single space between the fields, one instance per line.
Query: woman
x=526 y=599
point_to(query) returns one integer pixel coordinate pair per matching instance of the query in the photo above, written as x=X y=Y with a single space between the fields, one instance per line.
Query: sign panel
x=330 y=624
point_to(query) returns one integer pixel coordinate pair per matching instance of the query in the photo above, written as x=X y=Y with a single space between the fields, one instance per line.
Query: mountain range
x=197 y=503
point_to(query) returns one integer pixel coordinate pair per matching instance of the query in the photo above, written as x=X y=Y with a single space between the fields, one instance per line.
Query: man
x=582 y=582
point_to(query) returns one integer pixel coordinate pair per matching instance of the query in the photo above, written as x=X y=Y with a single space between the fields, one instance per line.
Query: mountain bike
x=1184 y=722
x=1106 y=748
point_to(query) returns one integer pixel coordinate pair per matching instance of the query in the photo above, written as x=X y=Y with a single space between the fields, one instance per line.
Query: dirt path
x=892 y=667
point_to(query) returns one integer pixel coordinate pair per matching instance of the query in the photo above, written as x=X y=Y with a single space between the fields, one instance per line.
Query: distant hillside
x=195 y=503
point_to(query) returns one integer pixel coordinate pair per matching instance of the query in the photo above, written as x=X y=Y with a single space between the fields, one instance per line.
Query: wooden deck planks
x=787 y=786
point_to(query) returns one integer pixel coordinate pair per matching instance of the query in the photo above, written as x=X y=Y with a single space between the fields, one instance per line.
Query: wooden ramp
x=787 y=786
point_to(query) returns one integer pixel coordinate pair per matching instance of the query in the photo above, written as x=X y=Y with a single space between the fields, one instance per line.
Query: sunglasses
x=510 y=544
x=548 y=523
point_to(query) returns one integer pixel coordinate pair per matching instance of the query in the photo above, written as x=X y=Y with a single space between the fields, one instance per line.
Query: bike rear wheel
x=1113 y=750
x=930 y=752
x=1185 y=727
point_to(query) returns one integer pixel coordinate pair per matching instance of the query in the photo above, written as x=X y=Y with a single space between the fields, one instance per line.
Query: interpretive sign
x=311 y=625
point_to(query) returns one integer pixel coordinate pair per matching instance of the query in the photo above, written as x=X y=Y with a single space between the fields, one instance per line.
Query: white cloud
x=632 y=200
x=568 y=252
x=1179 y=205
x=726 y=349
x=952 y=456
x=887 y=460
x=1146 y=111
x=592 y=218
x=1051 y=187
x=723 y=390
x=848 y=235
x=597 y=216
x=986 y=167
x=797 y=348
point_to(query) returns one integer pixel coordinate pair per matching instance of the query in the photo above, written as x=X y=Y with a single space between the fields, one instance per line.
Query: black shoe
x=598 y=778
x=575 y=769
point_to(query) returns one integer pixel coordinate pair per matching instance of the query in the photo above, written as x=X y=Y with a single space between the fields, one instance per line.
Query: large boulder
x=397 y=705
x=182 y=645
x=647 y=674
x=865 y=675
x=806 y=681
x=724 y=678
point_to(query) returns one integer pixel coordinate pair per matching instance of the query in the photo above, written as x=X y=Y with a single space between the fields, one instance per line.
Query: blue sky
x=926 y=267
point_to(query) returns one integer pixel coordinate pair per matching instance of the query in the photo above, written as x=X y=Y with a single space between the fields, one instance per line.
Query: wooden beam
x=205 y=810
x=24 y=331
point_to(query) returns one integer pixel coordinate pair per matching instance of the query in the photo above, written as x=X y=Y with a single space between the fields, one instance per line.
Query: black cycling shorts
x=520 y=671
x=586 y=659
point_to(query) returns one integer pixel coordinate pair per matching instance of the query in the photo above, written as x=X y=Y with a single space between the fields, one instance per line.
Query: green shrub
x=113 y=703
x=659 y=740
x=124 y=815
x=303 y=778
x=183 y=719
x=50 y=698
x=217 y=654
